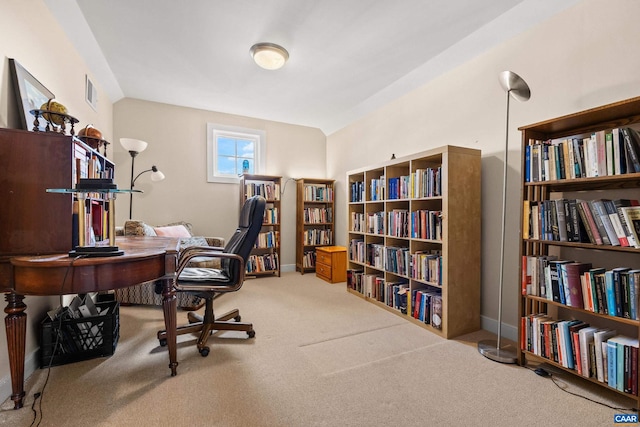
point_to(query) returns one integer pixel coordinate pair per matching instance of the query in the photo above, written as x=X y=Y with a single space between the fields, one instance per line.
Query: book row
x=422 y=265
x=611 y=292
x=398 y=223
x=388 y=258
x=392 y=294
x=88 y=165
x=419 y=184
x=318 y=215
x=599 y=222
x=309 y=259
x=603 y=153
x=317 y=236
x=425 y=305
x=318 y=193
x=262 y=263
x=271 y=216
x=598 y=353
x=372 y=223
x=268 y=190
x=422 y=224
x=269 y=239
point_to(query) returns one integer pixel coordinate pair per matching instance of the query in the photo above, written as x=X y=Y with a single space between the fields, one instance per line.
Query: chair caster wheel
x=251 y=334
x=237 y=318
x=204 y=352
x=163 y=342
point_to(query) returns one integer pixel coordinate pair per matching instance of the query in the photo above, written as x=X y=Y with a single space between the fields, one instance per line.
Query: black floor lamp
x=515 y=87
x=135 y=146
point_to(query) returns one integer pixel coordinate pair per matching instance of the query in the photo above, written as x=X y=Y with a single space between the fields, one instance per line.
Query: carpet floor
x=320 y=357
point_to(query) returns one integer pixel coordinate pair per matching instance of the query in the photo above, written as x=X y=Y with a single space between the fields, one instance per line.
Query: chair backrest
x=244 y=238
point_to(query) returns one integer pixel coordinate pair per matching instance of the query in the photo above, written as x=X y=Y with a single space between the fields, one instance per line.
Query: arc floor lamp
x=134 y=147
x=517 y=88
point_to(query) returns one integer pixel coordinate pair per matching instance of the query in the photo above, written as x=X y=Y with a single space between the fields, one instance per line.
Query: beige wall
x=582 y=58
x=29 y=34
x=178 y=147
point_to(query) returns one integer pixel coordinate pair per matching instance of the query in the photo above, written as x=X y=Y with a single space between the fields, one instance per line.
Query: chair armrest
x=191 y=252
x=187 y=255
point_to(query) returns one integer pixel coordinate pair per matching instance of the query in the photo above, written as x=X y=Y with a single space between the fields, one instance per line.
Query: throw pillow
x=192 y=241
x=172 y=231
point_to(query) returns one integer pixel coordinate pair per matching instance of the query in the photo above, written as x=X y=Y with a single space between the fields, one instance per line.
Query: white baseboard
x=288 y=268
x=31 y=363
x=508 y=331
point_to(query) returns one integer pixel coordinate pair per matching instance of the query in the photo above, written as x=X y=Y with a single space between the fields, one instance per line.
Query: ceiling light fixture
x=269 y=56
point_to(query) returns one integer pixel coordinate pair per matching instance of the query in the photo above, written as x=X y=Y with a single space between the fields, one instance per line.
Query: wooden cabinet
x=33 y=220
x=414 y=238
x=265 y=256
x=331 y=263
x=314 y=220
x=579 y=279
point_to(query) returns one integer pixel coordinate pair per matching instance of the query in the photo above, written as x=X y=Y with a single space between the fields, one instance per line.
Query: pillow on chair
x=137 y=228
x=172 y=231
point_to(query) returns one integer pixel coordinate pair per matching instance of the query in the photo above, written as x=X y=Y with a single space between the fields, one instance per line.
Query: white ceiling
x=347 y=57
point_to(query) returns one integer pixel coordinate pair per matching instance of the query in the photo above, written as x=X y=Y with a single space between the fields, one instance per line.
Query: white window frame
x=214 y=131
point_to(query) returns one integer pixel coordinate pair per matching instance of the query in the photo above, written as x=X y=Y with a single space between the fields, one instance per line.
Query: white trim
x=509 y=332
x=260 y=150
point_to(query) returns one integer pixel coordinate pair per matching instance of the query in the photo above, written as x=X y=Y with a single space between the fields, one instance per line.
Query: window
x=232 y=151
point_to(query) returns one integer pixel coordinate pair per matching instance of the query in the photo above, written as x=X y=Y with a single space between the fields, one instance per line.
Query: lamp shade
x=156 y=175
x=131 y=144
x=269 y=56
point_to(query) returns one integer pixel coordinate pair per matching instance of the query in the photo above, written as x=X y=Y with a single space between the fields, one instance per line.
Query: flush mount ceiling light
x=269 y=56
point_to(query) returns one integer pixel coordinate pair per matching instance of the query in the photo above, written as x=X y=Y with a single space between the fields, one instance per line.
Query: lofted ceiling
x=347 y=57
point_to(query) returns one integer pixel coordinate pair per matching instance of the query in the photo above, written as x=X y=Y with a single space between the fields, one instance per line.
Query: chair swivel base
x=197 y=324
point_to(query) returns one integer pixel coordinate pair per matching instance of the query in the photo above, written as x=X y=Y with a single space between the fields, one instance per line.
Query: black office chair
x=208 y=283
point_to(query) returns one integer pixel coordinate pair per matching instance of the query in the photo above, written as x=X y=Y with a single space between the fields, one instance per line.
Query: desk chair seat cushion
x=196 y=274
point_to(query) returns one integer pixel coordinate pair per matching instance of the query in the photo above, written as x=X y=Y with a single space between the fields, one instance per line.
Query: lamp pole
x=132 y=182
x=515 y=86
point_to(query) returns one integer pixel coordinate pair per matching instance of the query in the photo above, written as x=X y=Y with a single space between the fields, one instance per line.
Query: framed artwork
x=30 y=94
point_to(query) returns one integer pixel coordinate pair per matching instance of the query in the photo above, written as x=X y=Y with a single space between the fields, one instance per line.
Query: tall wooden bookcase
x=33 y=220
x=414 y=227
x=265 y=256
x=594 y=293
x=314 y=220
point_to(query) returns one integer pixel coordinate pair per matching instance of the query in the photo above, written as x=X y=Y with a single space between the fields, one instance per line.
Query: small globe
x=54 y=107
x=90 y=132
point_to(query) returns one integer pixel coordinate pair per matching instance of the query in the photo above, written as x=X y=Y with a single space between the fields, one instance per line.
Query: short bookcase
x=265 y=256
x=314 y=220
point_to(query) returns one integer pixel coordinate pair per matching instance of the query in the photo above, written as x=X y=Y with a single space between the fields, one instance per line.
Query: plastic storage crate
x=80 y=339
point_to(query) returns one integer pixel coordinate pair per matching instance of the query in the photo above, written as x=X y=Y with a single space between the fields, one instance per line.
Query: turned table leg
x=169 y=306
x=16 y=327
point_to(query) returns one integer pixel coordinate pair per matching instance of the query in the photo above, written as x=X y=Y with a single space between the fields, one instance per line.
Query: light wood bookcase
x=314 y=220
x=534 y=299
x=452 y=204
x=265 y=256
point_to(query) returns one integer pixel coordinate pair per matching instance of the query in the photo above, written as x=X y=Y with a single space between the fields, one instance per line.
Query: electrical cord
x=284 y=186
x=544 y=373
x=39 y=396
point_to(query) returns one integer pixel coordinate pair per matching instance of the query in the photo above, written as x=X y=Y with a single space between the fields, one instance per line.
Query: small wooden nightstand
x=331 y=263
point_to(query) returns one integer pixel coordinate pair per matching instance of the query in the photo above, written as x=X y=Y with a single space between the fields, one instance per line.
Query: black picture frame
x=30 y=94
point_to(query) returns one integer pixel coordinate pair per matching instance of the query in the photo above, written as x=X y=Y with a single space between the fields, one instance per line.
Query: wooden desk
x=145 y=259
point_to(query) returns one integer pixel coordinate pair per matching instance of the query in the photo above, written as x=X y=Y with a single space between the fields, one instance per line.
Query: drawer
x=323 y=257
x=323 y=271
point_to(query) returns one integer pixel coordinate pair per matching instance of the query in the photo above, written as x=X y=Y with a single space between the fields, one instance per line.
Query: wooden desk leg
x=16 y=326
x=169 y=306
